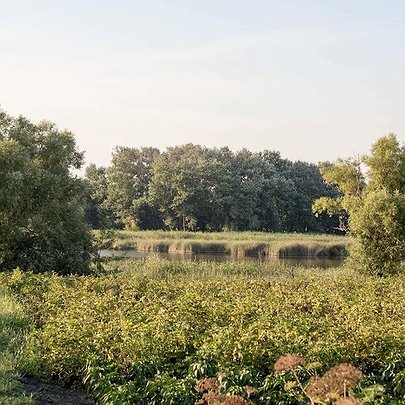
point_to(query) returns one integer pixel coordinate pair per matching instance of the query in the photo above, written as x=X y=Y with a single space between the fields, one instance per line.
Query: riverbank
x=251 y=244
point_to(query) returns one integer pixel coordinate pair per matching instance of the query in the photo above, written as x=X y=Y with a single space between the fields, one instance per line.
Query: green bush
x=147 y=335
x=13 y=326
x=379 y=225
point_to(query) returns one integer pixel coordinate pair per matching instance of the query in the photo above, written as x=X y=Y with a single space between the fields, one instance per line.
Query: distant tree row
x=191 y=187
x=43 y=204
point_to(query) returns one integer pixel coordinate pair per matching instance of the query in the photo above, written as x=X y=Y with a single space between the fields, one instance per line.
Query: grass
x=13 y=324
x=235 y=243
x=145 y=331
x=155 y=268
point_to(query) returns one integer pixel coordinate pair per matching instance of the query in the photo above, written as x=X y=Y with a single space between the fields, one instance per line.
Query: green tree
x=379 y=221
x=97 y=214
x=307 y=186
x=198 y=188
x=379 y=226
x=387 y=165
x=376 y=208
x=182 y=188
x=128 y=185
x=245 y=180
x=41 y=215
x=347 y=177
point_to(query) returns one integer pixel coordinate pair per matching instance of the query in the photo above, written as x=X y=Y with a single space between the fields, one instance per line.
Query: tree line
x=195 y=188
x=44 y=207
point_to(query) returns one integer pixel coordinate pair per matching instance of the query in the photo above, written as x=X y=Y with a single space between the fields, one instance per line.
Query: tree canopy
x=127 y=189
x=41 y=217
x=191 y=187
x=375 y=207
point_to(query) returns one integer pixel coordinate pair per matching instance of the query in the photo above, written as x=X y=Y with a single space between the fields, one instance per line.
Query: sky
x=313 y=79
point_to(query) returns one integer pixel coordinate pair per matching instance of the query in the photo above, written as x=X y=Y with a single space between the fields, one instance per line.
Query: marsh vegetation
x=240 y=244
x=155 y=331
x=148 y=331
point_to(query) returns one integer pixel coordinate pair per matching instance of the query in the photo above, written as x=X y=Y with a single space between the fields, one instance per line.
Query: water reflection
x=205 y=257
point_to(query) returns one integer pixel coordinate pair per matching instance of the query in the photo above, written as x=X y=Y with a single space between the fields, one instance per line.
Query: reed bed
x=235 y=243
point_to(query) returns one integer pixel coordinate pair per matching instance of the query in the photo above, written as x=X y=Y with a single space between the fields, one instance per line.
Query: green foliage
x=376 y=210
x=13 y=325
x=148 y=334
x=379 y=224
x=183 y=187
x=127 y=187
x=198 y=188
x=387 y=165
x=41 y=218
x=332 y=206
x=191 y=187
x=97 y=214
x=346 y=175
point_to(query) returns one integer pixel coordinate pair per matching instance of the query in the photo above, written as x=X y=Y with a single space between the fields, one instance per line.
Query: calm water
x=204 y=257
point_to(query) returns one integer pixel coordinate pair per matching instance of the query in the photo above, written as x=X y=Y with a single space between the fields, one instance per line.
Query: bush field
x=147 y=331
x=13 y=327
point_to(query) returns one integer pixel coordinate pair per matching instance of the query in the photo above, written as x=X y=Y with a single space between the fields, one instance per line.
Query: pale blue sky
x=314 y=79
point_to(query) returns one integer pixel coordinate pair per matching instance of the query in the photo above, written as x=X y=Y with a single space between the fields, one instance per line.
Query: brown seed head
x=288 y=362
x=211 y=398
x=207 y=384
x=334 y=383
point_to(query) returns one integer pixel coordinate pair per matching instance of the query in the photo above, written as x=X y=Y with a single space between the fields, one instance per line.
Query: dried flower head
x=207 y=384
x=288 y=362
x=334 y=383
x=250 y=391
x=211 y=398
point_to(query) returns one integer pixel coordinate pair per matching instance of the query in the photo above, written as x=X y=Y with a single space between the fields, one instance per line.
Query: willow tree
x=375 y=209
x=41 y=215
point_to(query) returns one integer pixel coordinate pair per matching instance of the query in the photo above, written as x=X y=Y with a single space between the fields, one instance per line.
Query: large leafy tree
x=128 y=185
x=379 y=220
x=41 y=215
x=247 y=178
x=182 y=187
x=347 y=177
x=307 y=186
x=379 y=226
x=375 y=208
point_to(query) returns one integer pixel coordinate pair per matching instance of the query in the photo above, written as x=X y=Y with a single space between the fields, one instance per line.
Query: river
x=291 y=261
